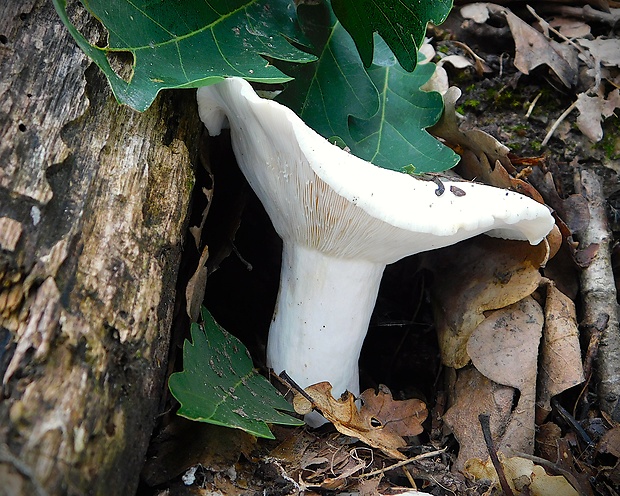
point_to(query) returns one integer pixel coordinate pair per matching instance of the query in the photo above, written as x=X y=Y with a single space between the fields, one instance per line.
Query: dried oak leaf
x=403 y=418
x=380 y=423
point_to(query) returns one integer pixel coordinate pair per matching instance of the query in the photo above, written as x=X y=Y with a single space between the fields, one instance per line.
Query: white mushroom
x=342 y=220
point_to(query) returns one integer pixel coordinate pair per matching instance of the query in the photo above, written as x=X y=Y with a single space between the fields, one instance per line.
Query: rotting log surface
x=599 y=293
x=93 y=203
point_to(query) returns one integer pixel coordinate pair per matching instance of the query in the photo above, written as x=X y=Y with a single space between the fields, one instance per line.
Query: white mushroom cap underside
x=328 y=199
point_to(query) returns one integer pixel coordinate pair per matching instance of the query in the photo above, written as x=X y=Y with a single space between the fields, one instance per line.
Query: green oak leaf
x=401 y=23
x=327 y=91
x=395 y=137
x=219 y=385
x=190 y=43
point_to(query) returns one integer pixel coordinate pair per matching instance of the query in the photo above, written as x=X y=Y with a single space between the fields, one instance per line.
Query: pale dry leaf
x=590 y=115
x=474 y=277
x=477 y=12
x=560 y=353
x=504 y=347
x=475 y=394
x=456 y=61
x=524 y=477
x=607 y=51
x=570 y=27
x=593 y=110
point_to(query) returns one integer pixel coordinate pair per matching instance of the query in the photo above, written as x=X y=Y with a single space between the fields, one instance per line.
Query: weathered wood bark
x=601 y=312
x=93 y=203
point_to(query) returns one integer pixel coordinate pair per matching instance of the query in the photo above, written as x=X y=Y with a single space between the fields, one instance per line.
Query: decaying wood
x=93 y=203
x=599 y=293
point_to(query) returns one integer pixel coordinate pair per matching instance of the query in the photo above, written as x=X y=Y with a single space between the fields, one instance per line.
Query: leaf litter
x=507 y=325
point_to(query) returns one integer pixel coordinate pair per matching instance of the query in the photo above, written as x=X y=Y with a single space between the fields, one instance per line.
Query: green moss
x=536 y=145
x=471 y=104
x=610 y=144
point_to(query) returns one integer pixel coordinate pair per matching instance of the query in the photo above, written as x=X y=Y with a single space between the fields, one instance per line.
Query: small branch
x=598 y=292
x=569 y=419
x=403 y=463
x=288 y=381
x=532 y=105
x=558 y=122
x=485 y=424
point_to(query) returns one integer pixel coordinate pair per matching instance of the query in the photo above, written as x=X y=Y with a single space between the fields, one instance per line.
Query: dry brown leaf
x=524 y=477
x=372 y=425
x=402 y=418
x=294 y=448
x=195 y=290
x=560 y=353
x=504 y=347
x=475 y=394
x=532 y=47
x=570 y=27
x=547 y=438
x=610 y=442
x=483 y=146
x=474 y=277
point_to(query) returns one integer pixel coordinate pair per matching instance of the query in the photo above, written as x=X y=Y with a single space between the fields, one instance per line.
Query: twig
x=291 y=384
x=485 y=424
x=410 y=478
x=403 y=463
x=594 y=341
x=532 y=105
x=571 y=420
x=558 y=122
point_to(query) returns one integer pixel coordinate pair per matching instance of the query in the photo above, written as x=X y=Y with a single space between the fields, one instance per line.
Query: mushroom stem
x=321 y=318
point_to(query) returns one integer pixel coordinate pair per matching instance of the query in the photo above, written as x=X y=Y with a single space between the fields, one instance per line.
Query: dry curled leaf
x=474 y=277
x=473 y=394
x=560 y=353
x=504 y=347
x=524 y=477
x=381 y=424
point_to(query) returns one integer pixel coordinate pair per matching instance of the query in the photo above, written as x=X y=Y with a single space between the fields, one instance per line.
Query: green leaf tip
x=402 y=24
x=191 y=43
x=380 y=113
x=219 y=385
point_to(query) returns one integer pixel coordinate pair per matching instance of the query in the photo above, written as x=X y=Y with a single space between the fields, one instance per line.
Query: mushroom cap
x=325 y=198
